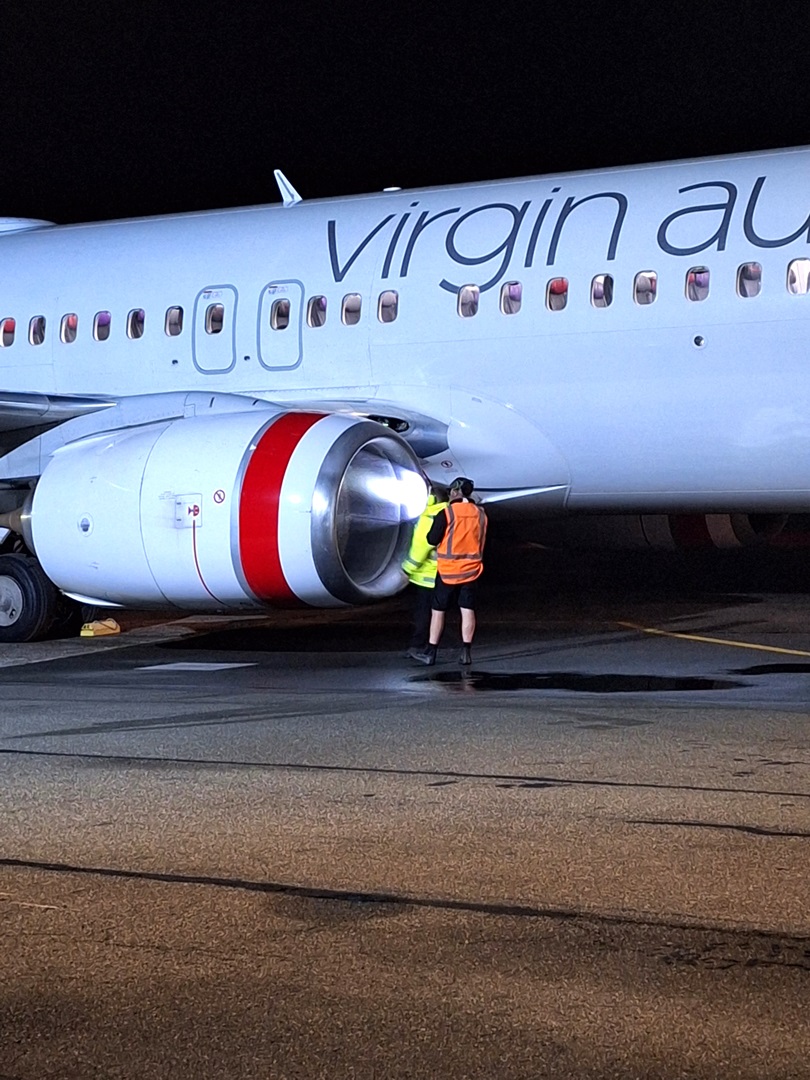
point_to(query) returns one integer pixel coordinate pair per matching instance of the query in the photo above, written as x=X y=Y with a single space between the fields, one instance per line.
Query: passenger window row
x=102 y=322
x=214 y=320
x=645 y=291
x=645 y=288
x=351 y=308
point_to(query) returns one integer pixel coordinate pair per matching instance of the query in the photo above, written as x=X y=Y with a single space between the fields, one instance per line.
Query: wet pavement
x=275 y=847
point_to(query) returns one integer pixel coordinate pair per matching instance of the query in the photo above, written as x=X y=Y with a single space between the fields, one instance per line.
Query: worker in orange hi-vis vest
x=459 y=535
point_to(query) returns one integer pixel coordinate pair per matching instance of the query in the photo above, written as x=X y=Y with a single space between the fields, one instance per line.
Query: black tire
x=27 y=599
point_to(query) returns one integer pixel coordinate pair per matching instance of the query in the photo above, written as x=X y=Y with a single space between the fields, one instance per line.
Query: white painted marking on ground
x=190 y=666
x=5 y=898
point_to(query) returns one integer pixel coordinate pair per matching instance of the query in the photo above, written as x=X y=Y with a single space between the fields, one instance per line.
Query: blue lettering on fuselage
x=409 y=229
x=507 y=245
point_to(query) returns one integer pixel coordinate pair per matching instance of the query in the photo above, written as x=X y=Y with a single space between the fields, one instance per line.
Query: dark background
x=111 y=110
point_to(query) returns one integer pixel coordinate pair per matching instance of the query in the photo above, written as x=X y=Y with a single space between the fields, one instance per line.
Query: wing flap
x=19 y=411
x=24 y=415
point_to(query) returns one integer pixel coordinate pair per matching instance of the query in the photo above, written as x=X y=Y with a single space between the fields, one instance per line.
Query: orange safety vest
x=461 y=551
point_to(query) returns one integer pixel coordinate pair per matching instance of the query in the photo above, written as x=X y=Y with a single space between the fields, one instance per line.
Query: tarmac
x=276 y=847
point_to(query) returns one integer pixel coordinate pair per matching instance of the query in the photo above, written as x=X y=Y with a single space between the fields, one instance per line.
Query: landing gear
x=70 y=616
x=28 y=599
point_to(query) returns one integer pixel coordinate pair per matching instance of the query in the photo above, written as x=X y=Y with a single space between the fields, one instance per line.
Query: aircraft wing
x=23 y=416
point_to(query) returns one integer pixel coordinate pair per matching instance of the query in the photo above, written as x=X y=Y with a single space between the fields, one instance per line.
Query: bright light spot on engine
x=320 y=503
x=406 y=490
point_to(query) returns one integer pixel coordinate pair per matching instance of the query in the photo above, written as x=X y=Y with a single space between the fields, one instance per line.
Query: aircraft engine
x=229 y=511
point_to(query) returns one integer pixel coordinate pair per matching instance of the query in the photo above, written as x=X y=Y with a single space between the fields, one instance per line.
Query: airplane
x=225 y=410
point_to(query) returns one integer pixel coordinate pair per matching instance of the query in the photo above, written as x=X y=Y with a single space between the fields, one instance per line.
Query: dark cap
x=464 y=485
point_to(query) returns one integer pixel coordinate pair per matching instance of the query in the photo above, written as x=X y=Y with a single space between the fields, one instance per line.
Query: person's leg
x=440 y=597
x=420 y=617
x=467 y=625
x=436 y=626
x=466 y=607
x=467 y=635
x=428 y=654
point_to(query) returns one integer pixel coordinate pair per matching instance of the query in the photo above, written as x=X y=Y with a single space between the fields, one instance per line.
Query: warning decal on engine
x=188 y=511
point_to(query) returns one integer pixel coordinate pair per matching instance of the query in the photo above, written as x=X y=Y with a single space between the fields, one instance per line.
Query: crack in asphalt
x=402 y=900
x=756 y=830
x=133 y=760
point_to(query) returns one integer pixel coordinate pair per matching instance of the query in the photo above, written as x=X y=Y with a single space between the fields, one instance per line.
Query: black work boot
x=465 y=657
x=427 y=657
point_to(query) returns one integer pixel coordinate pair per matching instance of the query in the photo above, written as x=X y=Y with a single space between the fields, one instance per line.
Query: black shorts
x=444 y=594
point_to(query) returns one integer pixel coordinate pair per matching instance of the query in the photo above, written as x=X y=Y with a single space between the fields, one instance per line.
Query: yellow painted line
x=714 y=640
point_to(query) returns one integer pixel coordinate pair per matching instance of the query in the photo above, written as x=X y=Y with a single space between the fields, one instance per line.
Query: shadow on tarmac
x=526 y=588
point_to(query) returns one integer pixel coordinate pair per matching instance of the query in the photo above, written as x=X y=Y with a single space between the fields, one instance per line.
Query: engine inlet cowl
x=233 y=510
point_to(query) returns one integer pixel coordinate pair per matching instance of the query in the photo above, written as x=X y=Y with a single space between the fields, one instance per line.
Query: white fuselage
x=673 y=405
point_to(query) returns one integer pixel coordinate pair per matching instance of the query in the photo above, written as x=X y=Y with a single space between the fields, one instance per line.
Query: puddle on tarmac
x=772 y=669
x=571 y=680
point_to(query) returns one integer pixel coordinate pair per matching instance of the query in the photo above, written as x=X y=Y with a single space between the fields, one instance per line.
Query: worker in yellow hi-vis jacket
x=420 y=566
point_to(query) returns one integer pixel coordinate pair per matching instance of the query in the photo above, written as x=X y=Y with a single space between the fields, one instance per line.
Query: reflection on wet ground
x=772 y=669
x=570 y=680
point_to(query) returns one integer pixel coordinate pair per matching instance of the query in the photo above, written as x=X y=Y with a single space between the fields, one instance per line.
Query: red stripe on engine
x=259 y=505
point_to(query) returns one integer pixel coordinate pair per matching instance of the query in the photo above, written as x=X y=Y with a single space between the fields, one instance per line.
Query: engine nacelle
x=230 y=510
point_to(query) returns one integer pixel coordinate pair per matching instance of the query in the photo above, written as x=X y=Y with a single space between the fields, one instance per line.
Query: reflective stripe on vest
x=420 y=564
x=460 y=554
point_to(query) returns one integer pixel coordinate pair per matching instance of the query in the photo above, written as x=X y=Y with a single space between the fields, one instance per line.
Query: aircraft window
x=350 y=313
x=101 y=325
x=7 y=328
x=69 y=328
x=388 y=306
x=316 y=311
x=174 y=322
x=280 y=314
x=557 y=294
x=511 y=297
x=214 y=318
x=697 y=283
x=468 y=298
x=36 y=330
x=645 y=287
x=135 y=323
x=798 y=275
x=749 y=279
x=602 y=290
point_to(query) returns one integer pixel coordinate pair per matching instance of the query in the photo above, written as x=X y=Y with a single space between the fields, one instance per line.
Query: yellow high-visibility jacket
x=420 y=565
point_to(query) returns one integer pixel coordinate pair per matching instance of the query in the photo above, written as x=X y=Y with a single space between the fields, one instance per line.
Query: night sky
x=118 y=110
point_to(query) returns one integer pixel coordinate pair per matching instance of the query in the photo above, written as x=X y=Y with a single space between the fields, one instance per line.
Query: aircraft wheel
x=27 y=599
